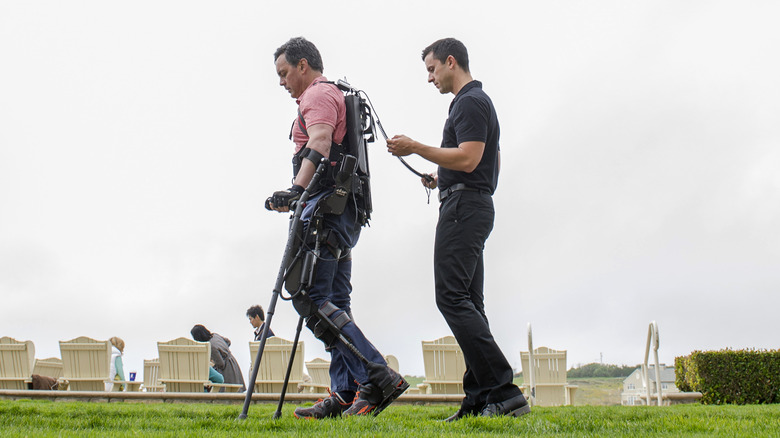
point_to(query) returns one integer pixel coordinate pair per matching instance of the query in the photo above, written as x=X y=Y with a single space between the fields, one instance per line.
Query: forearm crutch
x=290 y=254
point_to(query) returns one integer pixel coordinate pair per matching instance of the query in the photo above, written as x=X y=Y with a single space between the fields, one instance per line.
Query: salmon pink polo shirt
x=321 y=102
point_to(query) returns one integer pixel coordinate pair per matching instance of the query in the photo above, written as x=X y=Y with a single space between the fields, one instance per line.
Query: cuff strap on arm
x=313 y=156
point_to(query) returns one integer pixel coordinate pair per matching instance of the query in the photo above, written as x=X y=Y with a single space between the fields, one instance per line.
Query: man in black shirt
x=257 y=319
x=469 y=161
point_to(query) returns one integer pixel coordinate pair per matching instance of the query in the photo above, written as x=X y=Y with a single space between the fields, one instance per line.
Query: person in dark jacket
x=257 y=319
x=224 y=362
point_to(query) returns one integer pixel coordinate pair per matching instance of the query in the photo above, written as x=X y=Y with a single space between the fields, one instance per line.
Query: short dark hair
x=256 y=311
x=200 y=333
x=445 y=47
x=300 y=48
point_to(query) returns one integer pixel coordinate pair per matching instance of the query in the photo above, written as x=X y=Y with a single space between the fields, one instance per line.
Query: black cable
x=426 y=176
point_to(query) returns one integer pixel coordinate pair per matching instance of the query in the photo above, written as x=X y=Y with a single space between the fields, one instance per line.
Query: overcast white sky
x=640 y=180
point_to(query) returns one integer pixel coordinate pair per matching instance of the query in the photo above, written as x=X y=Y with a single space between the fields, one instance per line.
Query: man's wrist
x=417 y=148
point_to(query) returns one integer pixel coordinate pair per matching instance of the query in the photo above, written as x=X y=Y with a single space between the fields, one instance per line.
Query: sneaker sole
x=301 y=417
x=365 y=411
x=314 y=417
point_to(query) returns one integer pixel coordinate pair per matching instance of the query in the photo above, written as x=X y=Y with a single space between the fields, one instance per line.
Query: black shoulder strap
x=302 y=123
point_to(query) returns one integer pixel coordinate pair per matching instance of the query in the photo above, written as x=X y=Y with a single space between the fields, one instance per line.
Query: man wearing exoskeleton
x=333 y=216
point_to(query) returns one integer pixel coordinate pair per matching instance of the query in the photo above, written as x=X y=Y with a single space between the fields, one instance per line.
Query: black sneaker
x=332 y=406
x=513 y=407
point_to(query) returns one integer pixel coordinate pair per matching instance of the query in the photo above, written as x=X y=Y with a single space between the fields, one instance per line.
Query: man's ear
x=303 y=65
x=451 y=62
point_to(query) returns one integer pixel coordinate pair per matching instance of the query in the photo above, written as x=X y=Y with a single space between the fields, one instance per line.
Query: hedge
x=731 y=377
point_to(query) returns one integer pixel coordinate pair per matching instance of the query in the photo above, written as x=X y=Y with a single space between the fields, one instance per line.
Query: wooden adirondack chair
x=184 y=367
x=152 y=376
x=549 y=376
x=85 y=364
x=392 y=362
x=51 y=367
x=320 y=377
x=273 y=365
x=444 y=366
x=16 y=363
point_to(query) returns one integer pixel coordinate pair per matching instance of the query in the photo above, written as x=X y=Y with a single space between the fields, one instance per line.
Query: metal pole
x=654 y=327
x=278 y=412
x=531 y=367
x=652 y=338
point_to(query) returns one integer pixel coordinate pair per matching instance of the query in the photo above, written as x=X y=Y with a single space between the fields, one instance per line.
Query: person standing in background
x=116 y=367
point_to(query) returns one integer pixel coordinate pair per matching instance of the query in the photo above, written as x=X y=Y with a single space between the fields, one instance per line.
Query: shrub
x=729 y=376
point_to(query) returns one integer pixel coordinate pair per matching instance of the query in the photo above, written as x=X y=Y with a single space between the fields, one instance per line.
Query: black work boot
x=513 y=407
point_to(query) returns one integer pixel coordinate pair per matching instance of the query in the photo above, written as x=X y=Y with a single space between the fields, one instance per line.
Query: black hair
x=200 y=333
x=445 y=47
x=256 y=311
x=300 y=48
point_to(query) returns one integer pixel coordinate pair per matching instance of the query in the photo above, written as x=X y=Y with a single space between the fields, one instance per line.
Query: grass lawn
x=46 y=418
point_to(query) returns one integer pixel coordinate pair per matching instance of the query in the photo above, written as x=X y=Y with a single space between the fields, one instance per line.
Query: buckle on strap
x=443 y=194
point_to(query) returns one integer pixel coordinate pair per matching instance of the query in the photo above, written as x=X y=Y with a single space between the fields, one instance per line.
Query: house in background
x=634 y=385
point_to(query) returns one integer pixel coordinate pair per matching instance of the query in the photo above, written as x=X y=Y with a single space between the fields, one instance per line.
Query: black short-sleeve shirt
x=472 y=117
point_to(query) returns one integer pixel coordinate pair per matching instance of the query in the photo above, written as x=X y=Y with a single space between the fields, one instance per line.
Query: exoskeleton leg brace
x=326 y=322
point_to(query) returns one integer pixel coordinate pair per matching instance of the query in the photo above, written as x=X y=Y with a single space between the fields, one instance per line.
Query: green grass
x=46 y=418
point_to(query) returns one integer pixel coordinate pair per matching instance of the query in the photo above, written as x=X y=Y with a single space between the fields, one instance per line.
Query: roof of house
x=667 y=373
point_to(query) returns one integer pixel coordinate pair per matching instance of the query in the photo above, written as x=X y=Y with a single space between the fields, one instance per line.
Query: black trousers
x=465 y=222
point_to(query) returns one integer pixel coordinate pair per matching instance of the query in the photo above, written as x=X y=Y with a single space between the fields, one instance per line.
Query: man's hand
x=464 y=158
x=431 y=183
x=280 y=201
x=400 y=145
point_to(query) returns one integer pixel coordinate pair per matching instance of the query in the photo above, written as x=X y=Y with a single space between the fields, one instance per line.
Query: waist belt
x=443 y=194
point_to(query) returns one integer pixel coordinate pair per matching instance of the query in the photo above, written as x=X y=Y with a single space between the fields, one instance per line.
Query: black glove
x=283 y=198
